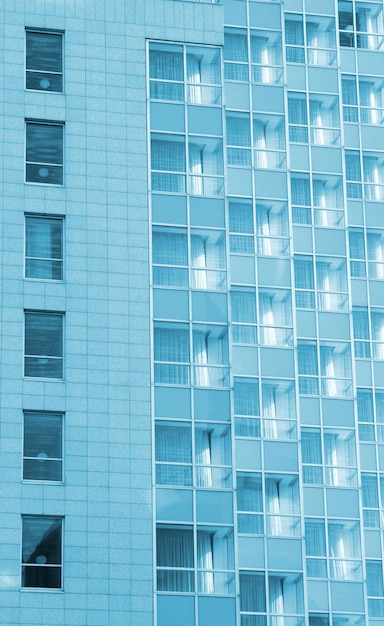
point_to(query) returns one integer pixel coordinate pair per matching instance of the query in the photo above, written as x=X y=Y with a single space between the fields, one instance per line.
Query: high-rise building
x=192 y=313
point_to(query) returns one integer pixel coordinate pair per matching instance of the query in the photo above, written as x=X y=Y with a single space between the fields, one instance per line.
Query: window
x=42 y=552
x=238 y=139
x=43 y=345
x=272 y=228
x=44 y=61
x=357 y=252
x=315 y=548
x=375 y=588
x=301 y=196
x=311 y=456
x=377 y=323
x=308 y=367
x=43 y=446
x=285 y=597
x=349 y=95
x=370 y=496
x=43 y=248
x=365 y=414
x=373 y=169
x=178 y=553
x=321 y=40
x=278 y=409
x=168 y=162
x=361 y=332
x=208 y=259
x=173 y=445
x=210 y=356
x=375 y=246
x=275 y=317
x=252 y=598
x=340 y=458
x=266 y=57
x=331 y=278
x=324 y=119
x=247 y=407
x=269 y=141
x=282 y=505
x=336 y=369
x=304 y=282
x=328 y=200
x=241 y=227
x=170 y=257
x=243 y=305
x=250 y=503
x=361 y=24
x=344 y=550
x=44 y=152
x=212 y=456
x=171 y=352
x=294 y=38
x=236 y=55
x=297 y=117
x=353 y=173
x=371 y=100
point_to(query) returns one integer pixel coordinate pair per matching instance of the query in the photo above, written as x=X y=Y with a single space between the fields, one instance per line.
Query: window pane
x=42 y=446
x=44 y=61
x=44 y=248
x=44 y=153
x=41 y=554
x=44 y=345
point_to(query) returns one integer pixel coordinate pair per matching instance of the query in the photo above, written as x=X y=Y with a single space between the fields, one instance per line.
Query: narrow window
x=43 y=446
x=44 y=61
x=44 y=153
x=44 y=248
x=42 y=552
x=43 y=345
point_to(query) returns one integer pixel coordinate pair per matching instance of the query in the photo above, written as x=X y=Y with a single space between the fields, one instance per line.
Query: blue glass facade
x=192 y=319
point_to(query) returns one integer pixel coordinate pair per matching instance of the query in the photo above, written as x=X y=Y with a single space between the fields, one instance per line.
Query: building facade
x=192 y=315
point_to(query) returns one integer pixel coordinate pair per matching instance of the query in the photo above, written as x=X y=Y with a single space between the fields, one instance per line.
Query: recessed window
x=44 y=61
x=43 y=345
x=43 y=446
x=44 y=248
x=42 y=552
x=44 y=153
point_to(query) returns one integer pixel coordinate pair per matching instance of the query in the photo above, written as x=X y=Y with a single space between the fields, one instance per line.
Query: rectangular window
x=43 y=345
x=365 y=414
x=247 y=407
x=250 y=503
x=42 y=552
x=43 y=248
x=44 y=152
x=44 y=61
x=43 y=446
x=315 y=548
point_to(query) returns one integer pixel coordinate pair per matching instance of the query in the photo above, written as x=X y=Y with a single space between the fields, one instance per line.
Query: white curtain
x=203 y=458
x=366 y=26
x=373 y=175
x=328 y=370
x=321 y=201
x=260 y=144
x=194 y=79
x=377 y=319
x=272 y=495
x=340 y=455
x=266 y=305
x=270 y=411
x=276 y=600
x=262 y=55
x=375 y=245
x=263 y=220
x=319 y=119
x=199 y=262
x=368 y=100
x=324 y=285
x=195 y=155
x=200 y=358
x=205 y=561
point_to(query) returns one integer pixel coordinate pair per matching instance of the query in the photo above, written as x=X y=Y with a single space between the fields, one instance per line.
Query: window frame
x=51 y=124
x=45 y=216
x=46 y=31
x=59 y=414
x=25 y=356
x=54 y=518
